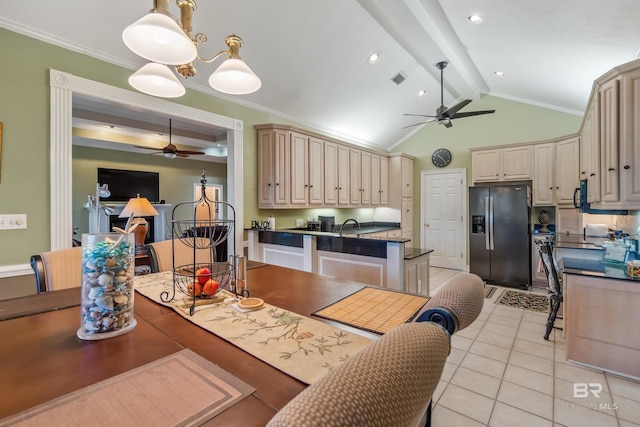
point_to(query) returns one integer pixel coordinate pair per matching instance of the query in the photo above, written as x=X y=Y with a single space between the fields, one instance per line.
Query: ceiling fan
x=171 y=151
x=444 y=115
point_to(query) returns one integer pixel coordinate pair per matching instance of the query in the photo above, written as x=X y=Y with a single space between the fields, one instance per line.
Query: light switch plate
x=13 y=221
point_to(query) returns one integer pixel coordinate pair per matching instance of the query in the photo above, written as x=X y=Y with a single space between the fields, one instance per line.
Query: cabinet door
x=355 y=187
x=344 y=175
x=330 y=173
x=630 y=135
x=516 y=162
x=266 y=173
x=486 y=165
x=384 y=181
x=543 y=168
x=406 y=214
x=567 y=165
x=316 y=171
x=281 y=165
x=407 y=177
x=609 y=191
x=375 y=180
x=299 y=169
x=365 y=178
x=590 y=151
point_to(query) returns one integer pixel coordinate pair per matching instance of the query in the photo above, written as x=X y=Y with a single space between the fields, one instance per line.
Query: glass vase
x=107 y=285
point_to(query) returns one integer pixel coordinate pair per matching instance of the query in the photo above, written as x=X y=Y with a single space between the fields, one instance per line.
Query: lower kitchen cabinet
x=416 y=272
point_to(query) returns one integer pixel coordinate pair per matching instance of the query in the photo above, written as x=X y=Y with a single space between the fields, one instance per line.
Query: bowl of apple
x=203 y=280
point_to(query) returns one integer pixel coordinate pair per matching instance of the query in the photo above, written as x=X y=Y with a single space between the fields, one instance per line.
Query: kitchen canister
x=108 y=264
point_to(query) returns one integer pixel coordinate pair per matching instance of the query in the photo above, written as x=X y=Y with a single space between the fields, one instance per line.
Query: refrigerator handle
x=490 y=219
x=486 y=217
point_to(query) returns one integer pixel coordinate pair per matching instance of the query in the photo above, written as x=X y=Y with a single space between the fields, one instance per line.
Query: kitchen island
x=379 y=261
x=600 y=310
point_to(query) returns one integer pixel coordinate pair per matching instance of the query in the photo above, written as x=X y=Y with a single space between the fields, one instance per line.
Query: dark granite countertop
x=349 y=231
x=595 y=268
x=412 y=253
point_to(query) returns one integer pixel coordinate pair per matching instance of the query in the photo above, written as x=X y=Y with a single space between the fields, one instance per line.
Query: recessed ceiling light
x=374 y=57
x=422 y=92
x=475 y=19
x=499 y=74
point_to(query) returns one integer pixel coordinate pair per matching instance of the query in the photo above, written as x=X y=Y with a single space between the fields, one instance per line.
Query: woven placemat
x=374 y=310
x=516 y=299
x=182 y=389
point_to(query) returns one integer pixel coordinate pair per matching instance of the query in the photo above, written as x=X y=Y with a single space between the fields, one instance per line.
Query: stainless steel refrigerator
x=499 y=246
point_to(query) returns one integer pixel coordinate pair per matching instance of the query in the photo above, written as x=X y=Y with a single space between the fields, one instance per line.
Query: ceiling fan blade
x=148 y=148
x=419 y=115
x=189 y=152
x=416 y=124
x=181 y=154
x=471 y=113
x=453 y=110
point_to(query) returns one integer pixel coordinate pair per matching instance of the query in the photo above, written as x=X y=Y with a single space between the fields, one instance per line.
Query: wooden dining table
x=41 y=358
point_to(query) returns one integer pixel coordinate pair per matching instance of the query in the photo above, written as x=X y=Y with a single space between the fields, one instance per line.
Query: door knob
x=426 y=225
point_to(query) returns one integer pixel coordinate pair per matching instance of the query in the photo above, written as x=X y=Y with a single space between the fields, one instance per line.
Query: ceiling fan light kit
x=444 y=115
x=159 y=39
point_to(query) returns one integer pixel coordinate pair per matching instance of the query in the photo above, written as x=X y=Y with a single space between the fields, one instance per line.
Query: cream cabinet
x=316 y=171
x=344 y=176
x=590 y=149
x=330 y=173
x=544 y=156
x=299 y=169
x=567 y=170
x=355 y=177
x=379 y=180
x=273 y=168
x=512 y=163
x=608 y=94
x=401 y=189
x=384 y=181
x=416 y=275
x=629 y=167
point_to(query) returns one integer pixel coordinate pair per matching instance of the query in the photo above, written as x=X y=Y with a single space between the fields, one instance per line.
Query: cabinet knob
x=593 y=174
x=269 y=185
x=426 y=225
x=336 y=188
x=339 y=188
x=311 y=186
x=550 y=188
x=611 y=169
x=627 y=167
x=306 y=185
x=557 y=188
x=582 y=173
x=277 y=183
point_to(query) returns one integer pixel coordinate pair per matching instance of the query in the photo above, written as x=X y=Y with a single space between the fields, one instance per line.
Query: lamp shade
x=138 y=206
x=234 y=77
x=159 y=38
x=157 y=80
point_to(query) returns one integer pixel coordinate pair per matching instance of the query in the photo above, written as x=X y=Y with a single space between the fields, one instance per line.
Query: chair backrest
x=59 y=269
x=545 y=248
x=391 y=381
x=161 y=253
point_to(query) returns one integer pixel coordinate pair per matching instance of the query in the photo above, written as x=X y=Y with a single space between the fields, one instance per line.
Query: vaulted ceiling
x=312 y=55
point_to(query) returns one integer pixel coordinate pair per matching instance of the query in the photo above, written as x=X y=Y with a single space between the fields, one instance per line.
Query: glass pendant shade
x=157 y=80
x=159 y=38
x=235 y=78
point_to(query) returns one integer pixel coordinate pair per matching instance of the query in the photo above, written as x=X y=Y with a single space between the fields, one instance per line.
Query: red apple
x=210 y=287
x=203 y=275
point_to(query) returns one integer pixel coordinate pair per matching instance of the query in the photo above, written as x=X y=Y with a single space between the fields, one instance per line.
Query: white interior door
x=443 y=215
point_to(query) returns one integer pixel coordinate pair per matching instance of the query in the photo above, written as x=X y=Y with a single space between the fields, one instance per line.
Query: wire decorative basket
x=191 y=280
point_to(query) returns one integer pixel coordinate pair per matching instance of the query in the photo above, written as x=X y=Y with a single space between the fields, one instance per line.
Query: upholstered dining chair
x=161 y=253
x=391 y=381
x=554 y=279
x=59 y=269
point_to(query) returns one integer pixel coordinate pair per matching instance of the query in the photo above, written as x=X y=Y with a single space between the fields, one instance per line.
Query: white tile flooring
x=501 y=372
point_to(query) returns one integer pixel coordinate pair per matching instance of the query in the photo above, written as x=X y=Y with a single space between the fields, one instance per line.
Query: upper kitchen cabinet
x=590 y=148
x=555 y=171
x=512 y=163
x=617 y=149
x=298 y=169
x=401 y=198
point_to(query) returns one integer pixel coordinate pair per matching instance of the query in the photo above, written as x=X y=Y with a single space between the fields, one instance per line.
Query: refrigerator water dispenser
x=477 y=224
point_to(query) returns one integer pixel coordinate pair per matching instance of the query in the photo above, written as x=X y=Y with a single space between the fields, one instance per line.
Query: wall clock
x=441 y=157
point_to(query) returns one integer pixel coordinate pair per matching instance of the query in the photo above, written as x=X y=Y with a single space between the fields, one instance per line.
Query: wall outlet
x=13 y=221
x=299 y=222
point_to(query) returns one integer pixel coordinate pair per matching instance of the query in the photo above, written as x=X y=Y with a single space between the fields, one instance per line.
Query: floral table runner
x=301 y=347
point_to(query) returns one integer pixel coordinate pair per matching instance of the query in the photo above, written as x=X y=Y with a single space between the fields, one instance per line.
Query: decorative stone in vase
x=107 y=285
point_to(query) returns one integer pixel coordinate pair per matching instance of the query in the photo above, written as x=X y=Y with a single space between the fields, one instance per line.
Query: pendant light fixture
x=159 y=39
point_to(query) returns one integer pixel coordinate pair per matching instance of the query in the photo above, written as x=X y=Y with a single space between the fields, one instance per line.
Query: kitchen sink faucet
x=350 y=219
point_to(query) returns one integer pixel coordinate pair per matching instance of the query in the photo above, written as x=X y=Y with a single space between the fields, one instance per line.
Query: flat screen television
x=125 y=184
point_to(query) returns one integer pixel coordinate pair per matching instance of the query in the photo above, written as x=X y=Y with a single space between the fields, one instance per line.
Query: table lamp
x=137 y=208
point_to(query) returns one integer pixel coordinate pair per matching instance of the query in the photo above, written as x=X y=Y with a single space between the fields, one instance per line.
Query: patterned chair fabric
x=391 y=381
x=59 y=269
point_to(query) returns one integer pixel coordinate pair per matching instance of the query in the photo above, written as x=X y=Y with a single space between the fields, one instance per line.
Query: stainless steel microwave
x=580 y=202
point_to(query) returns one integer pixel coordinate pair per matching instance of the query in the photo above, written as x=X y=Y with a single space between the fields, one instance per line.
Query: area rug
x=302 y=347
x=489 y=291
x=533 y=302
x=375 y=310
x=182 y=389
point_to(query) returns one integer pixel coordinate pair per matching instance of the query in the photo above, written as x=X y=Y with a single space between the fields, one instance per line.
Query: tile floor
x=501 y=372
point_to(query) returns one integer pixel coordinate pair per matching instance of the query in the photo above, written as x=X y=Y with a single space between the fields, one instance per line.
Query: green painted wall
x=513 y=122
x=24 y=110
